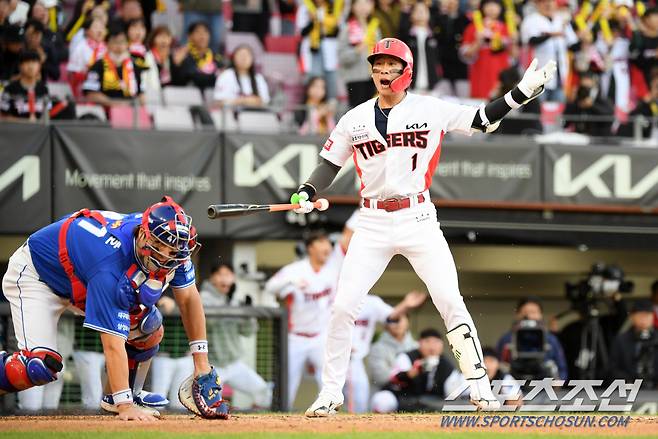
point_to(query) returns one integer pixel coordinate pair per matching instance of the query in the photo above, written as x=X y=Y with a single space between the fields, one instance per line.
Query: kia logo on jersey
x=412 y=139
x=417 y=126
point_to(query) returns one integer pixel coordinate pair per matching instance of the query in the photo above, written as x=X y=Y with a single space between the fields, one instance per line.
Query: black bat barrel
x=232 y=210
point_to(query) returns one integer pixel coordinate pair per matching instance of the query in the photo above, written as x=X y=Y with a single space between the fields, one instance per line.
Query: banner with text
x=126 y=171
x=274 y=165
x=601 y=175
x=25 y=189
x=267 y=169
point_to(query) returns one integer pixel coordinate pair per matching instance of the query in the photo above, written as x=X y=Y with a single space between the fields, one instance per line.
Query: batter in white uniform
x=374 y=310
x=395 y=142
x=308 y=286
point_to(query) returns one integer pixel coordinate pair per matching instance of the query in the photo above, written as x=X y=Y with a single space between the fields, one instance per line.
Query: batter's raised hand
x=301 y=198
x=534 y=79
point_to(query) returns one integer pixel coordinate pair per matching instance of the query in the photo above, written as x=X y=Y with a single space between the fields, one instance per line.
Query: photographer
x=634 y=353
x=589 y=103
x=585 y=341
x=531 y=351
x=421 y=378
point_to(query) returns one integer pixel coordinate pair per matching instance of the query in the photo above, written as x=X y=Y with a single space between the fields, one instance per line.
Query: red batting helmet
x=396 y=48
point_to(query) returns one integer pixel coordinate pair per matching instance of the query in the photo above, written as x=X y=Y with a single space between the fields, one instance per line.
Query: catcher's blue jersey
x=100 y=257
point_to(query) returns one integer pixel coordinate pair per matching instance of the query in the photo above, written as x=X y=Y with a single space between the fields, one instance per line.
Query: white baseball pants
x=300 y=351
x=357 y=387
x=167 y=374
x=414 y=233
x=35 y=308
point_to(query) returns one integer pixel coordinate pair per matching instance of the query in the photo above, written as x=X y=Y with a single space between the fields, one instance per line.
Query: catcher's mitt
x=203 y=396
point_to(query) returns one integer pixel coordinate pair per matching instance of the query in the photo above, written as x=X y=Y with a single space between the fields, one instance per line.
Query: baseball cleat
x=486 y=405
x=151 y=400
x=322 y=408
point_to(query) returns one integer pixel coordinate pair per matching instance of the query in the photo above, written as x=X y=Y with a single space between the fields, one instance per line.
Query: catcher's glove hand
x=203 y=396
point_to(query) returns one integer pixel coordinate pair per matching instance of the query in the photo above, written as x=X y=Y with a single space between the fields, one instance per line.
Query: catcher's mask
x=169 y=238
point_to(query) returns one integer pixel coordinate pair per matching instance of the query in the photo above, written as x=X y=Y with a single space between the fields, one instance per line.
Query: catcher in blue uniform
x=112 y=268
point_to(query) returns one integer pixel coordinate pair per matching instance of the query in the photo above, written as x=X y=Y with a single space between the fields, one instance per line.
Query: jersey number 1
x=414 y=160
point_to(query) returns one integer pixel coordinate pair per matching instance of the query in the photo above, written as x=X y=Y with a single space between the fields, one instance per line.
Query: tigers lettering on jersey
x=310 y=297
x=409 y=139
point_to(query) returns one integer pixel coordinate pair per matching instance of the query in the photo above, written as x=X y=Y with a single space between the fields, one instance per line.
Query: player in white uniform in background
x=395 y=143
x=375 y=310
x=308 y=287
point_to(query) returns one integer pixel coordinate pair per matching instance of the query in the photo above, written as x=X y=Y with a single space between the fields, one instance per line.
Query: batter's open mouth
x=385 y=82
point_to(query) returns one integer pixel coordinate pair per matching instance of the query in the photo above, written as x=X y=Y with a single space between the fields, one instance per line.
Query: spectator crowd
x=118 y=52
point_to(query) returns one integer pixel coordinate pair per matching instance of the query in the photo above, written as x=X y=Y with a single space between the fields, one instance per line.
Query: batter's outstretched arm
x=321 y=177
x=531 y=86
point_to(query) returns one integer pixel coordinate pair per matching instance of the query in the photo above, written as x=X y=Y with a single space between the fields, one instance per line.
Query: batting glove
x=533 y=81
x=301 y=198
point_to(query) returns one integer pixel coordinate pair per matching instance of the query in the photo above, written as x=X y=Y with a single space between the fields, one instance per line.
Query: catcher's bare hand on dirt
x=130 y=412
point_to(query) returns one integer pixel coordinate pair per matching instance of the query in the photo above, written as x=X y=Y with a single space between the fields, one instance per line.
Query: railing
x=267 y=348
x=285 y=114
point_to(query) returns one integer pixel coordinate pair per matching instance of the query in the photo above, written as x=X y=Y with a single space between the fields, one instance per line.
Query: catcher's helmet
x=398 y=49
x=168 y=223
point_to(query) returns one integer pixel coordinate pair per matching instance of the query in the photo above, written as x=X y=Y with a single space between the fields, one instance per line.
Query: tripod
x=592 y=346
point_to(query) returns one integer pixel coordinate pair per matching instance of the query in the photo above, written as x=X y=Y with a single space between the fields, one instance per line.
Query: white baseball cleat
x=322 y=407
x=486 y=405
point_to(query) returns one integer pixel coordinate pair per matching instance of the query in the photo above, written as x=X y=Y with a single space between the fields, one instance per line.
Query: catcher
x=111 y=268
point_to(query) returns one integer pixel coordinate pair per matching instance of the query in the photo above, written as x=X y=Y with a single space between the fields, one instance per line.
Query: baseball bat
x=219 y=211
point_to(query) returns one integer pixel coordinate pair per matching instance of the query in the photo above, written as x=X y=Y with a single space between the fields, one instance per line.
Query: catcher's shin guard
x=146 y=333
x=28 y=368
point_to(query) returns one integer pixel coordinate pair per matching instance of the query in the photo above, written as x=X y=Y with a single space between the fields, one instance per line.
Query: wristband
x=123 y=397
x=199 y=347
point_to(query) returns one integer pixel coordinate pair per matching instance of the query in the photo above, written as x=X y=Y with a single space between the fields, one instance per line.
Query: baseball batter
x=373 y=311
x=395 y=143
x=112 y=268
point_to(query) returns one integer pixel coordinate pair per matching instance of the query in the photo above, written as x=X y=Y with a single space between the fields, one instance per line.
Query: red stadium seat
x=122 y=117
x=550 y=112
x=282 y=43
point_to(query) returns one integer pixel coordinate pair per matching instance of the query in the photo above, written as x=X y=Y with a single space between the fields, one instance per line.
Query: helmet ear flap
x=402 y=82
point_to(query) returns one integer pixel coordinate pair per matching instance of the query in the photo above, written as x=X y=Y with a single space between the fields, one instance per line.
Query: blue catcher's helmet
x=170 y=236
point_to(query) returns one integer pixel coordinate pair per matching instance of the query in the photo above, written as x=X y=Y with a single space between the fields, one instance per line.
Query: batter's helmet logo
x=398 y=49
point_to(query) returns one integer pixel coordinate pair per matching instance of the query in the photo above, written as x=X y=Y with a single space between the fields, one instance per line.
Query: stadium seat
x=235 y=39
x=61 y=90
x=282 y=43
x=182 y=96
x=173 y=118
x=258 y=122
x=122 y=117
x=209 y=95
x=550 y=111
x=224 y=120
x=93 y=110
x=152 y=97
x=281 y=68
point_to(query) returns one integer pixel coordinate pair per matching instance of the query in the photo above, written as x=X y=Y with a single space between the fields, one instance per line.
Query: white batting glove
x=301 y=198
x=534 y=80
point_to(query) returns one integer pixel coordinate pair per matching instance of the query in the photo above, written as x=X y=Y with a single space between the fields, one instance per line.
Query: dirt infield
x=286 y=423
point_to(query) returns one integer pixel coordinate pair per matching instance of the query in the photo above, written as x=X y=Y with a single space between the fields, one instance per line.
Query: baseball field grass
x=296 y=426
